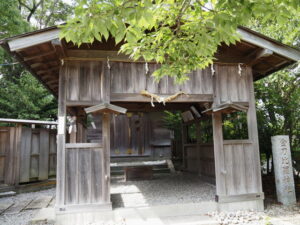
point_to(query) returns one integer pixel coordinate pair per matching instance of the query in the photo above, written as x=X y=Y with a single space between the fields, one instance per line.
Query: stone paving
x=21 y=208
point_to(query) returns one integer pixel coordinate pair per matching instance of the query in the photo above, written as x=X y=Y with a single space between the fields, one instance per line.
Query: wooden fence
x=26 y=154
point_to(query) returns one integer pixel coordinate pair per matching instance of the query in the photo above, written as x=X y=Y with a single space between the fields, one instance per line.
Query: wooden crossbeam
x=38 y=55
x=256 y=55
x=37 y=65
x=98 y=55
x=47 y=70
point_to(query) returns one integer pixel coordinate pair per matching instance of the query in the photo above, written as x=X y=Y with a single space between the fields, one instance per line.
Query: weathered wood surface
x=231 y=83
x=85 y=83
x=38 y=154
x=83 y=178
x=237 y=161
x=84 y=175
x=135 y=134
x=199 y=159
x=26 y=154
x=132 y=78
x=61 y=140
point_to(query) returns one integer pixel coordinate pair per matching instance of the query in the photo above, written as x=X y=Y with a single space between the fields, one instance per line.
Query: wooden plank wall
x=83 y=169
x=83 y=82
x=9 y=154
x=129 y=77
x=38 y=154
x=237 y=166
x=207 y=161
x=84 y=175
x=230 y=84
x=240 y=176
x=200 y=160
x=31 y=157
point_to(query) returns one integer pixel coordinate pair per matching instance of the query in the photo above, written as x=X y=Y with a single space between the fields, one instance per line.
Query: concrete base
x=180 y=214
x=257 y=205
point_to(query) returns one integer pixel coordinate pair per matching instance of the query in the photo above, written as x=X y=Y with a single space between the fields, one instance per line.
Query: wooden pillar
x=219 y=154
x=184 y=141
x=253 y=131
x=61 y=140
x=105 y=82
x=198 y=148
x=106 y=155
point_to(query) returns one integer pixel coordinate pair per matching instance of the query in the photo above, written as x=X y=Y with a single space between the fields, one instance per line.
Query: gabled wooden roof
x=42 y=53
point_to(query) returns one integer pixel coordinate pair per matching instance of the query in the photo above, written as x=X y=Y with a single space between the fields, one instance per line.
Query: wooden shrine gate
x=95 y=74
x=83 y=168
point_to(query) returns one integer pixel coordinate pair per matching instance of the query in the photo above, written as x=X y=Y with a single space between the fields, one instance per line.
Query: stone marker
x=283 y=168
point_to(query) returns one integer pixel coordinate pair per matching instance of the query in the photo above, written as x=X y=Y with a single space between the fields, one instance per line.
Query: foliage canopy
x=182 y=35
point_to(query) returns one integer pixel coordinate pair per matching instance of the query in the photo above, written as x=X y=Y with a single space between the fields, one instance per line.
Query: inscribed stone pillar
x=283 y=168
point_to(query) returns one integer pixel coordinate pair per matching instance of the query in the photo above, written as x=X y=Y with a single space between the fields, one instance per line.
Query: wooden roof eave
x=263 y=41
x=20 y=60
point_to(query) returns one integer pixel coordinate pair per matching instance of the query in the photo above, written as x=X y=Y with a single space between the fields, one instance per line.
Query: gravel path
x=13 y=215
x=165 y=189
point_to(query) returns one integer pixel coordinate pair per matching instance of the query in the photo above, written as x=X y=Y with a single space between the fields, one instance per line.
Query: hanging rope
x=160 y=99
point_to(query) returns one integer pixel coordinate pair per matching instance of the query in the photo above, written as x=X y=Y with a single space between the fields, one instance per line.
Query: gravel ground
x=273 y=214
x=23 y=217
x=162 y=190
